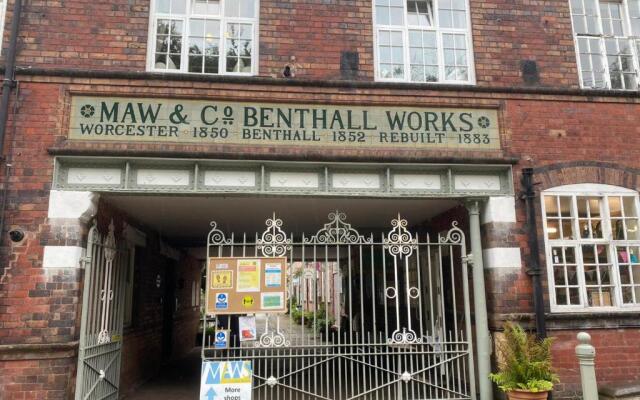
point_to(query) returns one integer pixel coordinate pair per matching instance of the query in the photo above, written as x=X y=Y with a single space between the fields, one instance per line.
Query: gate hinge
x=84 y=261
x=468 y=259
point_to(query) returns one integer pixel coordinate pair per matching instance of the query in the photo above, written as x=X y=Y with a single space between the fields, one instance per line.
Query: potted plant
x=525 y=370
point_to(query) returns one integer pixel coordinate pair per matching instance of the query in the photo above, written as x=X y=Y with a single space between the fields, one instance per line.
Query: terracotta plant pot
x=525 y=395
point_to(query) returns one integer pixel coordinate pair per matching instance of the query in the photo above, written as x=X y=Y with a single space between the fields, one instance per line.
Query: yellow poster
x=248 y=276
x=221 y=279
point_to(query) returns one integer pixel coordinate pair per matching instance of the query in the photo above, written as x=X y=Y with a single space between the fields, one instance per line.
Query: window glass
x=629 y=267
x=591 y=63
x=585 y=16
x=189 y=33
x=634 y=16
x=565 y=271
x=416 y=46
x=621 y=65
x=611 y=14
x=206 y=7
x=605 y=51
x=452 y=14
x=240 y=8
x=597 y=266
x=391 y=54
x=169 y=44
x=423 y=56
x=420 y=12
x=239 y=47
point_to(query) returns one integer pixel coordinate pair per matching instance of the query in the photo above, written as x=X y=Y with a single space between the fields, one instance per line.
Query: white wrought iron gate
x=378 y=316
x=102 y=317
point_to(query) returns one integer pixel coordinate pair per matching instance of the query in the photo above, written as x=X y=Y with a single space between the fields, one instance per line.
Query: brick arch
x=586 y=172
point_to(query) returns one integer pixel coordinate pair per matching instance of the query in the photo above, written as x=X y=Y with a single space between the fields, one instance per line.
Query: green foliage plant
x=525 y=362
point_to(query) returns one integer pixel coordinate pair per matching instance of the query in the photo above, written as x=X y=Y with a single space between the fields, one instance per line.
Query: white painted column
x=500 y=210
x=64 y=207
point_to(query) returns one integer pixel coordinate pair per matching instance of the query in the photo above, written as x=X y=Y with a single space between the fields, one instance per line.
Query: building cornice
x=337 y=84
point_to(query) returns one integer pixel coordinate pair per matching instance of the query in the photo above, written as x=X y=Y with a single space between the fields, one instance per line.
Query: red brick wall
x=112 y=36
x=37 y=379
x=582 y=130
x=617 y=359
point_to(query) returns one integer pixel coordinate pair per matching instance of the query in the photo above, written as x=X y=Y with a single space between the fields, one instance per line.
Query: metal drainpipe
x=534 y=258
x=8 y=83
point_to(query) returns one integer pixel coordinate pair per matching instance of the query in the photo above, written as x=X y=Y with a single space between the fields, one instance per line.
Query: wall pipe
x=8 y=83
x=534 y=257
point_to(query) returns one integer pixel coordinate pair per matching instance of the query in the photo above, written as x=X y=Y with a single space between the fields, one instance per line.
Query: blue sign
x=221 y=339
x=222 y=301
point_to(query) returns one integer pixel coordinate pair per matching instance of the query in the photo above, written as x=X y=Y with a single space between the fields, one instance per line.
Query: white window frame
x=628 y=35
x=3 y=17
x=184 y=55
x=603 y=192
x=406 y=48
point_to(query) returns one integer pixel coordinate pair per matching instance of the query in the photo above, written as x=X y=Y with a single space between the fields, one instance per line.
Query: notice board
x=246 y=285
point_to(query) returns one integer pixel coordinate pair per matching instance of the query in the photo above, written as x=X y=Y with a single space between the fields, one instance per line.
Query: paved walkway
x=179 y=381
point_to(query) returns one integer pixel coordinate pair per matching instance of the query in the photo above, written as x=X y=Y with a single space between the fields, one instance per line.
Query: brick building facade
x=522 y=62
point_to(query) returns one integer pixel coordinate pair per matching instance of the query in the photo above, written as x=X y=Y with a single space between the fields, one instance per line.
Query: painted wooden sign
x=275 y=124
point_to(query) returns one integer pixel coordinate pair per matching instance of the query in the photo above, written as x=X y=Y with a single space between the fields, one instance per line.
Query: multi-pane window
x=593 y=250
x=423 y=41
x=204 y=36
x=3 y=13
x=607 y=35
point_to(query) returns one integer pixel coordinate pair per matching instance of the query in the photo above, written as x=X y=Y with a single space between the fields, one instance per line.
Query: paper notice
x=248 y=276
x=273 y=275
x=247 y=327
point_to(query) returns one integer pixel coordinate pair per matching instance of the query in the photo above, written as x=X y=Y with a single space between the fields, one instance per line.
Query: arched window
x=592 y=247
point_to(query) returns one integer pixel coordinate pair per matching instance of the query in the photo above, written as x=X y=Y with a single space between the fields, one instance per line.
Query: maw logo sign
x=226 y=380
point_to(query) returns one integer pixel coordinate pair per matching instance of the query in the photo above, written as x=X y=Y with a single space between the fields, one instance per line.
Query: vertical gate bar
x=373 y=307
x=387 y=355
x=465 y=388
x=331 y=350
x=421 y=314
x=339 y=335
x=455 y=310
x=443 y=333
x=431 y=317
x=361 y=342
x=98 y=276
x=88 y=273
x=317 y=387
x=350 y=305
x=291 y=308
x=244 y=244
x=467 y=316
x=305 y=306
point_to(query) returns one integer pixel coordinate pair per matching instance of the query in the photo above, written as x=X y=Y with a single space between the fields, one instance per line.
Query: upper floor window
x=3 y=13
x=607 y=35
x=204 y=36
x=423 y=41
x=593 y=247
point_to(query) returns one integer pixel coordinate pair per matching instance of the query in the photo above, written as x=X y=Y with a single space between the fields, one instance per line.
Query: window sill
x=612 y=319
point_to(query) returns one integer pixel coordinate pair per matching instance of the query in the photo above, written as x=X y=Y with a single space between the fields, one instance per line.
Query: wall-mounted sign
x=224 y=380
x=161 y=120
x=237 y=285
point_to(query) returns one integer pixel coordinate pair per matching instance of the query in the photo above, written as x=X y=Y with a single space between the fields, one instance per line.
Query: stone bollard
x=586 y=357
